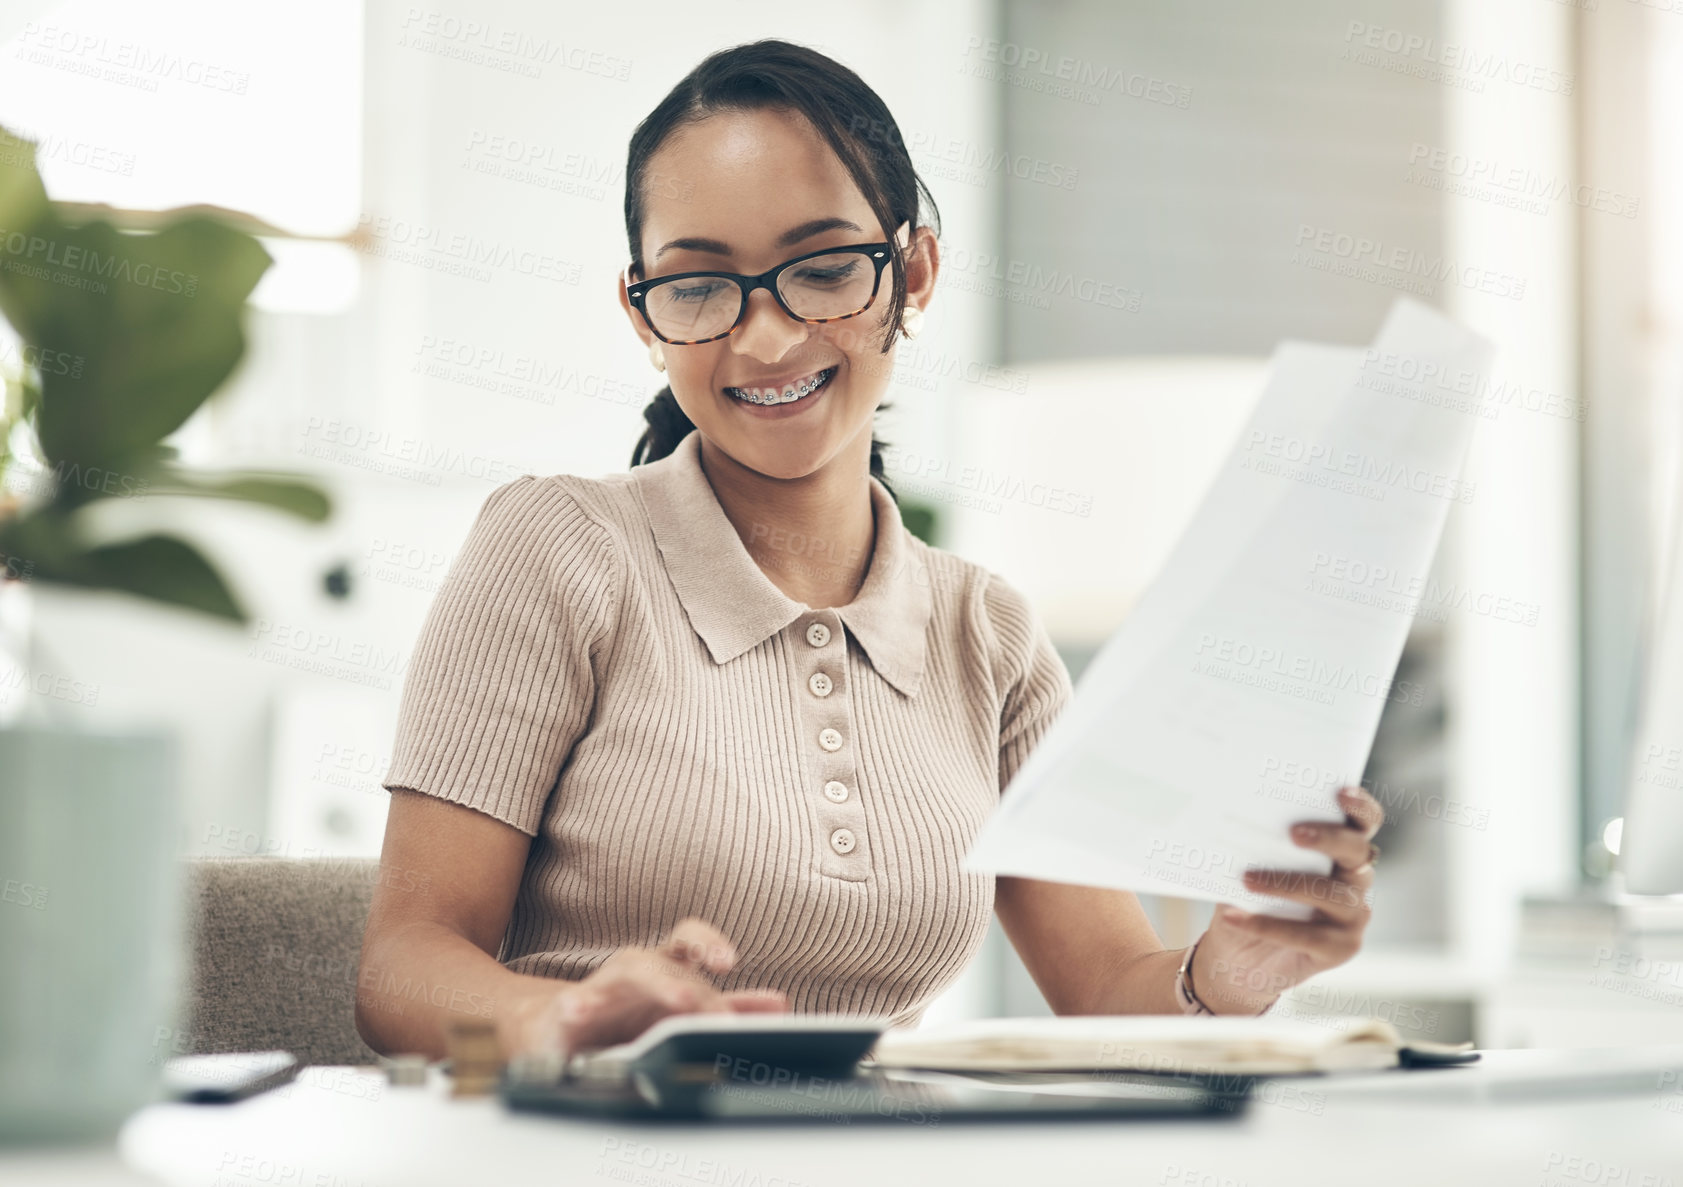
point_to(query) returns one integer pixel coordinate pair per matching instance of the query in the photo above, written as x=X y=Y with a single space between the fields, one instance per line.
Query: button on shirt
x=607 y=670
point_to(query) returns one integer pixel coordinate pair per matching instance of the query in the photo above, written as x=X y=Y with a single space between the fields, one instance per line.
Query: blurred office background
x=1137 y=200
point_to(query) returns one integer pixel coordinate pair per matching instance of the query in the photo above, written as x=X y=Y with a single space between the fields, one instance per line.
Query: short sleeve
x=501 y=682
x=1035 y=684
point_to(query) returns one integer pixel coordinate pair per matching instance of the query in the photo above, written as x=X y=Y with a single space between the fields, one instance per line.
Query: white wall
x=1514 y=715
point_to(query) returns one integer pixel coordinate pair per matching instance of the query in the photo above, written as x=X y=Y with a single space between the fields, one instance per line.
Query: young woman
x=715 y=734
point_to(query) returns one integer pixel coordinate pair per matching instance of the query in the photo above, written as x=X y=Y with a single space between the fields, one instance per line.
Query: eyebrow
x=789 y=238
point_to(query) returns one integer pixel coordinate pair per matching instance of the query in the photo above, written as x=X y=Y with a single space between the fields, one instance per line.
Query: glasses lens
x=697 y=307
x=837 y=285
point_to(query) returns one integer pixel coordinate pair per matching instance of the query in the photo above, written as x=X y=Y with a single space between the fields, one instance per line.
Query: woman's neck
x=812 y=537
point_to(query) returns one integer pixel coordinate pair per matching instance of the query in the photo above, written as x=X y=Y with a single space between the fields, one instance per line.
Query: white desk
x=342 y=1127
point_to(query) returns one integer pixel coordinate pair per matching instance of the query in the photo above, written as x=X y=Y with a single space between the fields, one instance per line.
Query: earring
x=657 y=356
x=911 y=321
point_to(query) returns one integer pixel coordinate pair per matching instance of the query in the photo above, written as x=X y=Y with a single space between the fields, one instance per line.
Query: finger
x=757 y=1001
x=1337 y=897
x=700 y=945
x=681 y=997
x=671 y=986
x=1330 y=943
x=1348 y=847
x=624 y=1005
x=1365 y=812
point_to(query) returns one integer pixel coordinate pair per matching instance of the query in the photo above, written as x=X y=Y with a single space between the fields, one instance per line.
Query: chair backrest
x=274 y=948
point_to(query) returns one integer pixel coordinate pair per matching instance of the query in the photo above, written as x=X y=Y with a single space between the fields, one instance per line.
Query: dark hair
x=849 y=115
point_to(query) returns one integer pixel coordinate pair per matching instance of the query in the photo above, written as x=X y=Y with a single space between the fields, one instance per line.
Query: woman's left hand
x=1245 y=961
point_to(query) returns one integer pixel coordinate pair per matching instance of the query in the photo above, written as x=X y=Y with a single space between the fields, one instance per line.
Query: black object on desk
x=227 y=1077
x=1435 y=1055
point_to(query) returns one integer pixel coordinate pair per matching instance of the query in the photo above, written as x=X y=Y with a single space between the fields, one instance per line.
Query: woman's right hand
x=633 y=989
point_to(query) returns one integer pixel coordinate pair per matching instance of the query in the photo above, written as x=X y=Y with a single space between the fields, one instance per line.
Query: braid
x=667 y=426
x=877 y=470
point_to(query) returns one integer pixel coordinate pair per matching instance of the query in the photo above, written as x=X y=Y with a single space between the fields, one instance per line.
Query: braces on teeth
x=789 y=396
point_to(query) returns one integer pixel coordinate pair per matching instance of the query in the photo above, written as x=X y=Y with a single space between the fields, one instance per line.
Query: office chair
x=273 y=946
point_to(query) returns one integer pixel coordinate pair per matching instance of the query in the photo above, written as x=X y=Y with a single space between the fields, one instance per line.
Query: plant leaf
x=23 y=199
x=155 y=329
x=295 y=497
x=162 y=568
x=140 y=329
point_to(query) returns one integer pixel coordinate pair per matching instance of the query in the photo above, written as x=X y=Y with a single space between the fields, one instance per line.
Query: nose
x=766 y=332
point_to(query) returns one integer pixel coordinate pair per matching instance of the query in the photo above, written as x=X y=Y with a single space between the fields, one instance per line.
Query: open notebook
x=1169 y=1044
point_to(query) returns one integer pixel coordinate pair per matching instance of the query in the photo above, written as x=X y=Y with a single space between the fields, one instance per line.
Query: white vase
x=90 y=917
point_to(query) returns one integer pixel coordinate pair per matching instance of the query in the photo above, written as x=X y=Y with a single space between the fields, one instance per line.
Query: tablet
x=888 y=1096
x=768 y=1069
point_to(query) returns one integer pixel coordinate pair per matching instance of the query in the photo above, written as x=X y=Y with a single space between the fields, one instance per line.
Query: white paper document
x=1246 y=686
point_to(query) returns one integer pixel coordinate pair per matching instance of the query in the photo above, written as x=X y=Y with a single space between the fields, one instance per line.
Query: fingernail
x=1233 y=914
x=1305 y=832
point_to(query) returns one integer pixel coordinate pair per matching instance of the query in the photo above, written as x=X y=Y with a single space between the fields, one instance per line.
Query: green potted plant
x=123 y=337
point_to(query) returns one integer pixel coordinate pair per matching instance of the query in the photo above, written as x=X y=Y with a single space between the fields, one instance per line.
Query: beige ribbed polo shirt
x=606 y=669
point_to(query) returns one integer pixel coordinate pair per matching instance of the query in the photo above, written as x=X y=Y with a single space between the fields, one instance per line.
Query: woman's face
x=743 y=182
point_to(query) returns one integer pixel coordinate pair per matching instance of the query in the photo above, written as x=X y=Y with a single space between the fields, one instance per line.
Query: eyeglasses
x=830 y=284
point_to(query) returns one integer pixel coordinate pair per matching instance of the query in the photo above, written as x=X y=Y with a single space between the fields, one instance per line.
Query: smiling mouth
x=788 y=395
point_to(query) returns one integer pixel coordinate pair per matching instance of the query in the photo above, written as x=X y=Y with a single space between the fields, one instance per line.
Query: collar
x=734 y=606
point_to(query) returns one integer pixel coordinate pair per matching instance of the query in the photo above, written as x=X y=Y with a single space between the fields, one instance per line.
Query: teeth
x=766 y=395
